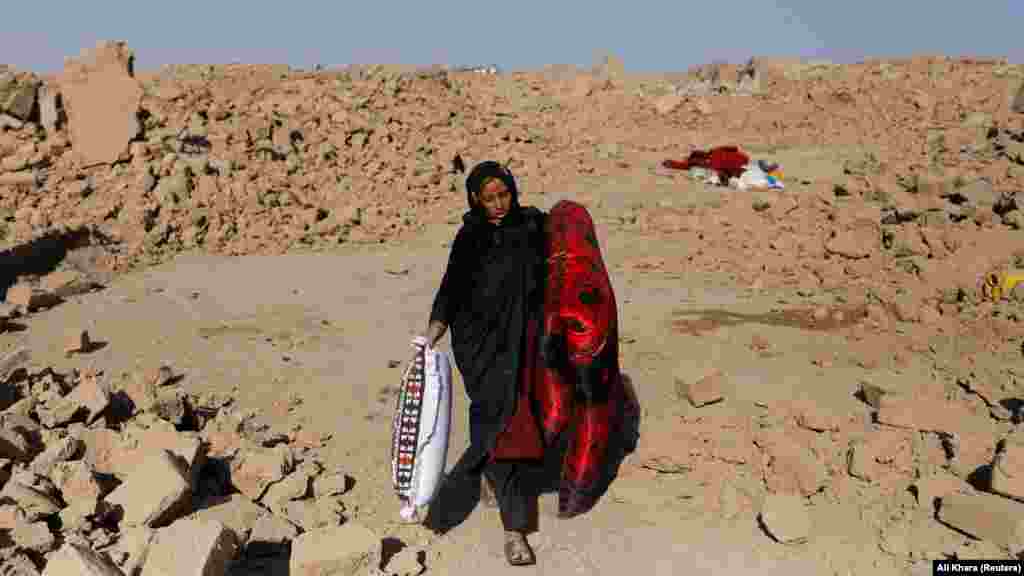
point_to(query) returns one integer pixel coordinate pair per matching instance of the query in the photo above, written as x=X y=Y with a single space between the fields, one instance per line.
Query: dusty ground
x=276 y=237
x=323 y=327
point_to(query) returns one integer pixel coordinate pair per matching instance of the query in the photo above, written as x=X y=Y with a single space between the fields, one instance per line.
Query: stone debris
x=986 y=516
x=1017 y=104
x=77 y=560
x=707 y=390
x=254 y=469
x=35 y=537
x=786 y=519
x=78 y=341
x=236 y=512
x=333 y=484
x=1007 y=477
x=18 y=564
x=155 y=493
x=103 y=99
x=35 y=504
x=930 y=415
x=406 y=562
x=269 y=534
x=191 y=547
x=344 y=550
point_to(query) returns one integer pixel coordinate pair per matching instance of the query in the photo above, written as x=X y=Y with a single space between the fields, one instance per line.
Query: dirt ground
x=329 y=328
x=825 y=387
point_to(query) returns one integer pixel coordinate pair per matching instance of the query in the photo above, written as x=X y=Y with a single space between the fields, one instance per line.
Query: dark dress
x=490 y=296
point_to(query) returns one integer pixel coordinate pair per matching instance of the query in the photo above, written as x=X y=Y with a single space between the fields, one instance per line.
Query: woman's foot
x=487 y=497
x=517 y=549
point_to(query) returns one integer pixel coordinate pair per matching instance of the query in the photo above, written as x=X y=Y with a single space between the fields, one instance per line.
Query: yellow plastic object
x=999 y=284
x=777 y=174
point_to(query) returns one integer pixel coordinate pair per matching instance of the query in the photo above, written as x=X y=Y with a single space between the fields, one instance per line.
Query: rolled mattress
x=419 y=437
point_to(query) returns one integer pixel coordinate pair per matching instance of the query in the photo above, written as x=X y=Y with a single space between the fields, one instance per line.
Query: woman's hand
x=435 y=330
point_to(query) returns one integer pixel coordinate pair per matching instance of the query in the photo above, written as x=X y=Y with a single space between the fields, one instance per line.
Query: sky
x=648 y=35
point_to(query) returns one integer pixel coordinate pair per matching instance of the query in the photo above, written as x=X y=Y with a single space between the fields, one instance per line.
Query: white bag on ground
x=419 y=437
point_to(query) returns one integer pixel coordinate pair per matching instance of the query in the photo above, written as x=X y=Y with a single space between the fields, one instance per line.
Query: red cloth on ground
x=727 y=161
x=521 y=440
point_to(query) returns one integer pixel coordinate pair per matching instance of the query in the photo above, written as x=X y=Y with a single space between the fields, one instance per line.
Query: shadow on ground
x=39 y=256
x=458 y=496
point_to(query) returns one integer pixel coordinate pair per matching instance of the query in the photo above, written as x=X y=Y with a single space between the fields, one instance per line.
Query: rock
x=269 y=534
x=14 y=445
x=76 y=481
x=314 y=514
x=861 y=462
x=785 y=518
x=35 y=537
x=812 y=418
x=102 y=99
x=333 y=484
x=62 y=450
x=987 y=517
x=18 y=565
x=345 y=550
x=1008 y=470
x=234 y=511
x=855 y=244
x=936 y=487
x=792 y=467
x=667 y=104
x=9 y=123
x=1017 y=105
x=254 y=469
x=78 y=513
x=405 y=563
x=50 y=108
x=186 y=447
x=35 y=504
x=78 y=560
x=934 y=184
x=171 y=405
x=707 y=390
x=105 y=451
x=86 y=402
x=925 y=414
x=154 y=494
x=173 y=189
x=132 y=549
x=191 y=547
x=979 y=192
x=1014 y=219
x=28 y=298
x=18 y=94
x=294 y=487
x=77 y=341
x=66 y=283
x=10 y=516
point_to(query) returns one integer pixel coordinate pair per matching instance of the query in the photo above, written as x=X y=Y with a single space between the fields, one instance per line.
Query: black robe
x=492 y=286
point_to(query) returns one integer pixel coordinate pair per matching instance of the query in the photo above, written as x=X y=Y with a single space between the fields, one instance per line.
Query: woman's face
x=496 y=200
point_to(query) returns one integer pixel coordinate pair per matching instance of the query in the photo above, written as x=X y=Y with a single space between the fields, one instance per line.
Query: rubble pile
x=132 y=475
x=261 y=159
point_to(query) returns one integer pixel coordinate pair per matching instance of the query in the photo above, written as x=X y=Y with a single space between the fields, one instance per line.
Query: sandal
x=517 y=550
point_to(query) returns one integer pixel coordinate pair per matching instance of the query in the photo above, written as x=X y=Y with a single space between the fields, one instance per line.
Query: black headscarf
x=475 y=182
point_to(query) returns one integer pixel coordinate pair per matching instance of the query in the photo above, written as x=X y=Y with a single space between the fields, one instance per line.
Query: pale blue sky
x=648 y=35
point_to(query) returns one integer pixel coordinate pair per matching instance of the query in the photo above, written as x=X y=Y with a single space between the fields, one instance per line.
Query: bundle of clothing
x=729 y=165
x=726 y=161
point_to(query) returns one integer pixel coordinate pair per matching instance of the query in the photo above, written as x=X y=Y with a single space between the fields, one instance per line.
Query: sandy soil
x=329 y=328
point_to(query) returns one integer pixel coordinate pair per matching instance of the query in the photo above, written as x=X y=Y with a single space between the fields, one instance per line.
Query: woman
x=491 y=297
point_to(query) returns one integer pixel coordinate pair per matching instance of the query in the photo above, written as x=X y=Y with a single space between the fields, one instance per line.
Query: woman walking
x=491 y=298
